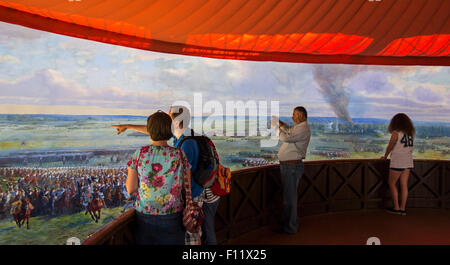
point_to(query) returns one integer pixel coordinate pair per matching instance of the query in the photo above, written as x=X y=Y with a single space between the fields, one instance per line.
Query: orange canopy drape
x=385 y=32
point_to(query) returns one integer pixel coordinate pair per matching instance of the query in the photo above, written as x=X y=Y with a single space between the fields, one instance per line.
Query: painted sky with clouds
x=46 y=73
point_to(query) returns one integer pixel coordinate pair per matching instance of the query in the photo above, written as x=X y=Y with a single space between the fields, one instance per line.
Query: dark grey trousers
x=290 y=177
x=208 y=226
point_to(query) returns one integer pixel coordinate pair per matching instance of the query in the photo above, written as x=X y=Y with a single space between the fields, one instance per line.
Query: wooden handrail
x=102 y=235
x=334 y=161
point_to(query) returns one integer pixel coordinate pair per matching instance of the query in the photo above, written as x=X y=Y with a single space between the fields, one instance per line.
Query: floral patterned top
x=160 y=172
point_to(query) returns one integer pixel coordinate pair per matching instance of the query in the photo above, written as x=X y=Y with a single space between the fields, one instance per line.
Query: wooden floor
x=419 y=227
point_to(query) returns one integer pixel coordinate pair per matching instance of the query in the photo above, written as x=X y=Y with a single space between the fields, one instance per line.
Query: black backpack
x=208 y=160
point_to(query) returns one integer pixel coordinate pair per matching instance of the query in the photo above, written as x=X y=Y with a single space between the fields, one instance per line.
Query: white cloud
x=81 y=61
x=9 y=59
x=71 y=110
x=431 y=93
x=83 y=53
x=12 y=34
x=213 y=62
x=420 y=91
x=49 y=87
x=138 y=56
x=238 y=70
x=80 y=47
x=81 y=71
x=282 y=90
x=177 y=72
x=128 y=60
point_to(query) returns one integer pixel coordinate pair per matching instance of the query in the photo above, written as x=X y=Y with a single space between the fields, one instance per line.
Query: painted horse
x=95 y=206
x=21 y=211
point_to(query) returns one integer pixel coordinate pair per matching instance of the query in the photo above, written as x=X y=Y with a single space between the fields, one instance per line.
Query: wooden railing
x=117 y=232
x=326 y=186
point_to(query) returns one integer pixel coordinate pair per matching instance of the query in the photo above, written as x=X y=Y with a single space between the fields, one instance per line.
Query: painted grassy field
x=54 y=231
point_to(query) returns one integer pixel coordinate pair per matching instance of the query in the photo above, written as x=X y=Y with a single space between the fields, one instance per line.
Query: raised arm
x=293 y=134
x=279 y=125
x=394 y=137
x=123 y=127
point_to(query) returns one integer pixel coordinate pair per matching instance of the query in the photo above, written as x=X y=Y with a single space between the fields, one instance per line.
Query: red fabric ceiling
x=387 y=32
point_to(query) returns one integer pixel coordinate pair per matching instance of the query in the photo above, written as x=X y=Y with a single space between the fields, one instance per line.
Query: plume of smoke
x=331 y=80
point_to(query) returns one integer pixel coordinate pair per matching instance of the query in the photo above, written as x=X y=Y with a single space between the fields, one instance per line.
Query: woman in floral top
x=156 y=172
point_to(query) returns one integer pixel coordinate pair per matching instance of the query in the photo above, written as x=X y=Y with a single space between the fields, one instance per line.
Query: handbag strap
x=187 y=188
x=139 y=159
x=137 y=163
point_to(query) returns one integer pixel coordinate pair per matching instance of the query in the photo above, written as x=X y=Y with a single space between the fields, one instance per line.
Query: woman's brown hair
x=401 y=122
x=159 y=126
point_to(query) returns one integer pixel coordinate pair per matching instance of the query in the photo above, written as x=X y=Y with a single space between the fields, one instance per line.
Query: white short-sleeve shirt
x=402 y=154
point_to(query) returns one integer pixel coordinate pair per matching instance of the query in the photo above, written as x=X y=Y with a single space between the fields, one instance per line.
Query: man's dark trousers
x=208 y=227
x=290 y=177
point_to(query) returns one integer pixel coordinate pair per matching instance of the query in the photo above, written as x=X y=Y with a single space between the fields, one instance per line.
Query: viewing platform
x=339 y=202
x=420 y=227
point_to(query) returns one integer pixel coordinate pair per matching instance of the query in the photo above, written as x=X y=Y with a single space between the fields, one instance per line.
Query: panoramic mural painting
x=60 y=96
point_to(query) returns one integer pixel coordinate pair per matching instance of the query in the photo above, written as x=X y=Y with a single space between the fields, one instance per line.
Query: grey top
x=295 y=141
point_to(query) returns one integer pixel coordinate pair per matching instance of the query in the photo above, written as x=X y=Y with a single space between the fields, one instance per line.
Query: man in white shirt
x=293 y=150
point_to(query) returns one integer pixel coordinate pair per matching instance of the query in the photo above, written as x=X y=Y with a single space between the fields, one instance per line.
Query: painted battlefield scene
x=63 y=167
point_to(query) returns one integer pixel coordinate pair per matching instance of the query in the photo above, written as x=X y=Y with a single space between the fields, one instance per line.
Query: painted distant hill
x=355 y=120
x=33 y=118
x=365 y=121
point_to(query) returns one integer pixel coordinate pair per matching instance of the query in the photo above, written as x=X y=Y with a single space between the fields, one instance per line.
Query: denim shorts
x=159 y=229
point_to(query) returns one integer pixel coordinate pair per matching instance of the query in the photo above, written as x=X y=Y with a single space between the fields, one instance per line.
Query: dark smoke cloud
x=331 y=80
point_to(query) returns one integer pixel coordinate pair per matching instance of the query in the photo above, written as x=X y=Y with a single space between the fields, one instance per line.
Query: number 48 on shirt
x=407 y=140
